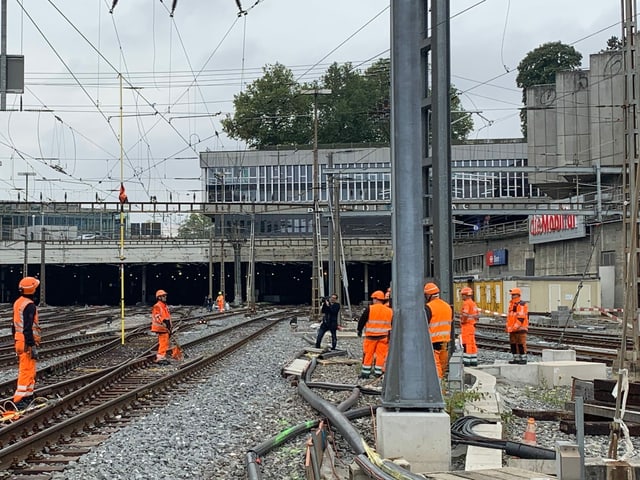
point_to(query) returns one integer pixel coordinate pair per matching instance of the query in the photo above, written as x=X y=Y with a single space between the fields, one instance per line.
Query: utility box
x=568 y=461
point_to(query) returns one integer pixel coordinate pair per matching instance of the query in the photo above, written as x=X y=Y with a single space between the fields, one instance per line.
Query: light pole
x=316 y=275
x=25 y=265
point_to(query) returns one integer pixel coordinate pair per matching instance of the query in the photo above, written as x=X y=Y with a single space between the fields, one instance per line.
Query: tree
x=272 y=111
x=539 y=67
x=195 y=226
x=461 y=121
x=345 y=115
x=613 y=44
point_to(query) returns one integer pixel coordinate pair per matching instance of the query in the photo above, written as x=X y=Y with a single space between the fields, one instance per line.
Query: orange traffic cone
x=530 y=432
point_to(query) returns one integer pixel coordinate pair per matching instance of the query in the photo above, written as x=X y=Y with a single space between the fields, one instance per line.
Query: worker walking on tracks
x=376 y=321
x=439 y=318
x=468 y=318
x=161 y=325
x=26 y=334
x=331 y=309
x=517 y=327
x=220 y=302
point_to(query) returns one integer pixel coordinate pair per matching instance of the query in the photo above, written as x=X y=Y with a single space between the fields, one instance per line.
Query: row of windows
x=468 y=265
x=492 y=184
x=294 y=183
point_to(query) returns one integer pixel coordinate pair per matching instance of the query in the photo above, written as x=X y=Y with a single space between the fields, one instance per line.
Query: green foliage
x=196 y=226
x=456 y=400
x=461 y=121
x=613 y=44
x=549 y=396
x=275 y=111
x=508 y=419
x=272 y=111
x=539 y=67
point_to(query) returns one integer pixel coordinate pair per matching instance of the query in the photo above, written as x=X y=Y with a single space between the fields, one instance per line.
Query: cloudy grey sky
x=180 y=75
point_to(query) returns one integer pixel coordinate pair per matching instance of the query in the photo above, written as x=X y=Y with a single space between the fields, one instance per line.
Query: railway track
x=592 y=346
x=93 y=356
x=96 y=405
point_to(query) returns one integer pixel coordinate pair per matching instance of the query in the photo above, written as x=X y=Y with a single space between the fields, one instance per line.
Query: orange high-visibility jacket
x=440 y=317
x=25 y=330
x=379 y=321
x=470 y=313
x=517 y=317
x=159 y=313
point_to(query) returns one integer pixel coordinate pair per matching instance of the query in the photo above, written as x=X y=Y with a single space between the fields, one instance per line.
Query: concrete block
x=412 y=435
x=568 y=461
x=560 y=373
x=547 y=467
x=527 y=374
x=549 y=355
x=479 y=458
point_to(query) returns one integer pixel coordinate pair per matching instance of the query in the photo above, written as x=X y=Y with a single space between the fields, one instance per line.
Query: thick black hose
x=462 y=432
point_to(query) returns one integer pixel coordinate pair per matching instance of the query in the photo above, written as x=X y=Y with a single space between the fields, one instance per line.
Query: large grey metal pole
x=3 y=56
x=411 y=379
x=441 y=152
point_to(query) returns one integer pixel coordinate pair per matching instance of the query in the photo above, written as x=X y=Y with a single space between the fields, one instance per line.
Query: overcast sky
x=180 y=75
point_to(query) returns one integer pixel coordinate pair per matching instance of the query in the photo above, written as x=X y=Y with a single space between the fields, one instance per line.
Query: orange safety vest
x=517 y=317
x=18 y=321
x=159 y=313
x=470 y=313
x=379 y=321
x=440 y=322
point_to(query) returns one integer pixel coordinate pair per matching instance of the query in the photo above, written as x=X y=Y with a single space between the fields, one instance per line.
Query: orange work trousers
x=468 y=340
x=518 y=342
x=26 y=372
x=163 y=346
x=441 y=356
x=374 y=348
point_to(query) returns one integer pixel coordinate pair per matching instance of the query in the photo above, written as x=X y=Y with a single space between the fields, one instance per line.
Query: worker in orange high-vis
x=162 y=326
x=220 y=302
x=376 y=322
x=387 y=297
x=468 y=317
x=517 y=327
x=26 y=335
x=439 y=318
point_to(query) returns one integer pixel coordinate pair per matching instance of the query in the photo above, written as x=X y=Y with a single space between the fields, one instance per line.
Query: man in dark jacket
x=330 y=308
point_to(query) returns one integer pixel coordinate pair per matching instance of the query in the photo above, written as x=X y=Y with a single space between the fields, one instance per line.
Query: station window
x=608 y=258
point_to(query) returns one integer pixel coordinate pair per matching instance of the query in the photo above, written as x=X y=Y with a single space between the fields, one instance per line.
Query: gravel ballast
x=205 y=434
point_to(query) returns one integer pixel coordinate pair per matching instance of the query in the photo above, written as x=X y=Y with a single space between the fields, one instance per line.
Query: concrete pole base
x=422 y=438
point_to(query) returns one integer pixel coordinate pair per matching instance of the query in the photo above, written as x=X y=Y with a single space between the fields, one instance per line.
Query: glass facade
x=294 y=183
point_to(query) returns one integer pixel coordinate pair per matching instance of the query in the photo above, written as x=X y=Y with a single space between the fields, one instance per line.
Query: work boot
x=363 y=375
x=164 y=361
x=514 y=360
x=473 y=364
x=522 y=360
x=24 y=403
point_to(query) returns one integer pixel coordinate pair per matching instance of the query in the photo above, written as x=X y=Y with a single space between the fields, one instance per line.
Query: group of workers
x=219 y=301
x=375 y=323
x=377 y=319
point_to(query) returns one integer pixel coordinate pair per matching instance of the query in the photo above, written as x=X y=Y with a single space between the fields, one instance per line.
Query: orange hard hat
x=515 y=291
x=466 y=291
x=378 y=295
x=160 y=293
x=28 y=285
x=431 y=288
